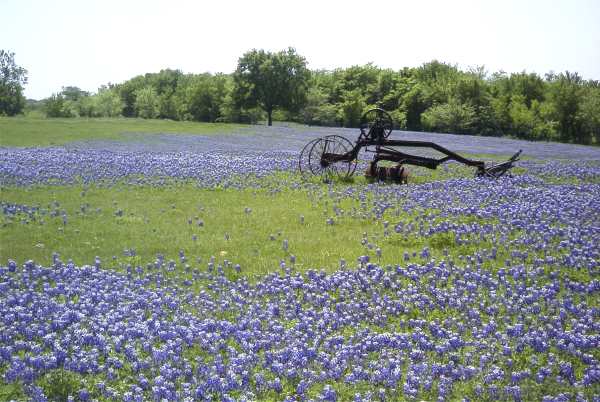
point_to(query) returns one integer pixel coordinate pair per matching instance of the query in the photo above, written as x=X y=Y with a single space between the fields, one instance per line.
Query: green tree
x=73 y=93
x=522 y=118
x=353 y=108
x=414 y=102
x=86 y=106
x=451 y=117
x=147 y=103
x=166 y=83
x=107 y=103
x=206 y=97
x=318 y=111
x=12 y=80
x=127 y=91
x=77 y=102
x=271 y=80
x=359 y=80
x=565 y=96
x=57 y=106
x=589 y=113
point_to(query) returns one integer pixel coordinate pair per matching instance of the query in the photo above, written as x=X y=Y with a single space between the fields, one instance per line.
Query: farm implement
x=335 y=155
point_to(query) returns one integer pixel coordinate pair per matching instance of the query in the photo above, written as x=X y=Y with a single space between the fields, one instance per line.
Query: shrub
x=147 y=103
x=108 y=103
x=451 y=117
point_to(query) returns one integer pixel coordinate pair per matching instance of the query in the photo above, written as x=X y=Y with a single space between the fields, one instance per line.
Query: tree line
x=435 y=96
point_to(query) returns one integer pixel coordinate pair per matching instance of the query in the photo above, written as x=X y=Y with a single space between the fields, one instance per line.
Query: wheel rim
x=345 y=146
x=377 y=120
x=303 y=162
x=332 y=144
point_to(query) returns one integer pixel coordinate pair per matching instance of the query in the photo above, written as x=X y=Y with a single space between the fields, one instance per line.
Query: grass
x=32 y=131
x=103 y=222
x=245 y=227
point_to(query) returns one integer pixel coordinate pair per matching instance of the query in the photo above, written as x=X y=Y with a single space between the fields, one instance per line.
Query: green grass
x=104 y=221
x=242 y=226
x=155 y=220
x=31 y=131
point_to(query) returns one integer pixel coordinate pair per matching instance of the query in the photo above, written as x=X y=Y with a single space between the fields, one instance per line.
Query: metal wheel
x=377 y=123
x=322 y=152
x=303 y=163
x=346 y=146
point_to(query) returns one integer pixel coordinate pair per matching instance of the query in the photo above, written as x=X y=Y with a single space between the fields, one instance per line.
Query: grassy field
x=29 y=131
x=247 y=227
x=310 y=225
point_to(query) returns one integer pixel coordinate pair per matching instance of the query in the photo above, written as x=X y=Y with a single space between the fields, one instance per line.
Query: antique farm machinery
x=336 y=155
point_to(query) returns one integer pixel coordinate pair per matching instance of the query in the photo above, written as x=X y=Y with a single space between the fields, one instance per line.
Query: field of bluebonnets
x=201 y=267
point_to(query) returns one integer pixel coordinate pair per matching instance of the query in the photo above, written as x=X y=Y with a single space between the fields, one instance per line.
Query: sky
x=88 y=43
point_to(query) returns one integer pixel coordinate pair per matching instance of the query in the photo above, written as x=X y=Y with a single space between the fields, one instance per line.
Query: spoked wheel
x=346 y=146
x=303 y=162
x=377 y=123
x=323 y=158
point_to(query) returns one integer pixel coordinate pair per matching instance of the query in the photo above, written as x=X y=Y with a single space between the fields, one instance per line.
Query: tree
x=73 y=93
x=77 y=102
x=271 y=80
x=451 y=117
x=522 y=118
x=590 y=114
x=12 y=79
x=147 y=103
x=55 y=105
x=206 y=97
x=565 y=97
x=353 y=108
x=317 y=111
x=108 y=103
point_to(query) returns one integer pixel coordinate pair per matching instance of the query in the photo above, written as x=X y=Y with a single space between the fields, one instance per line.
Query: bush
x=12 y=80
x=57 y=106
x=522 y=119
x=451 y=117
x=107 y=103
x=589 y=114
x=399 y=118
x=147 y=103
x=352 y=109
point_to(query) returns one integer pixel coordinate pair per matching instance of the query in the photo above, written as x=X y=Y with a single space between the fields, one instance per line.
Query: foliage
x=352 y=109
x=106 y=103
x=57 y=106
x=206 y=97
x=73 y=93
x=589 y=112
x=451 y=117
x=271 y=80
x=435 y=96
x=12 y=79
x=147 y=103
x=73 y=102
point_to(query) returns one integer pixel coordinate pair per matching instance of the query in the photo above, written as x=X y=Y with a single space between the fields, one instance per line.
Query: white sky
x=88 y=43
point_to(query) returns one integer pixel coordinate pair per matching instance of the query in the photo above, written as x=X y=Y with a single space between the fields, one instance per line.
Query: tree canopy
x=271 y=80
x=12 y=80
x=435 y=96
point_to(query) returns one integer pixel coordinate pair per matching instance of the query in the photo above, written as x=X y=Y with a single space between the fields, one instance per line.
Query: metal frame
x=374 y=133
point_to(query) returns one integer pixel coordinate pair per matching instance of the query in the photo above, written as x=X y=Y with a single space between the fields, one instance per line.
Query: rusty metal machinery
x=336 y=155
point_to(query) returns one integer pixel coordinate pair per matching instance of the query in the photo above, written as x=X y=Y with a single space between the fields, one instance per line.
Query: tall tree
x=73 y=93
x=565 y=97
x=147 y=103
x=271 y=80
x=12 y=79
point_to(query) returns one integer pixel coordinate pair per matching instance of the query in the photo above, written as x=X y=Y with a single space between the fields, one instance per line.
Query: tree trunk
x=270 y=117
